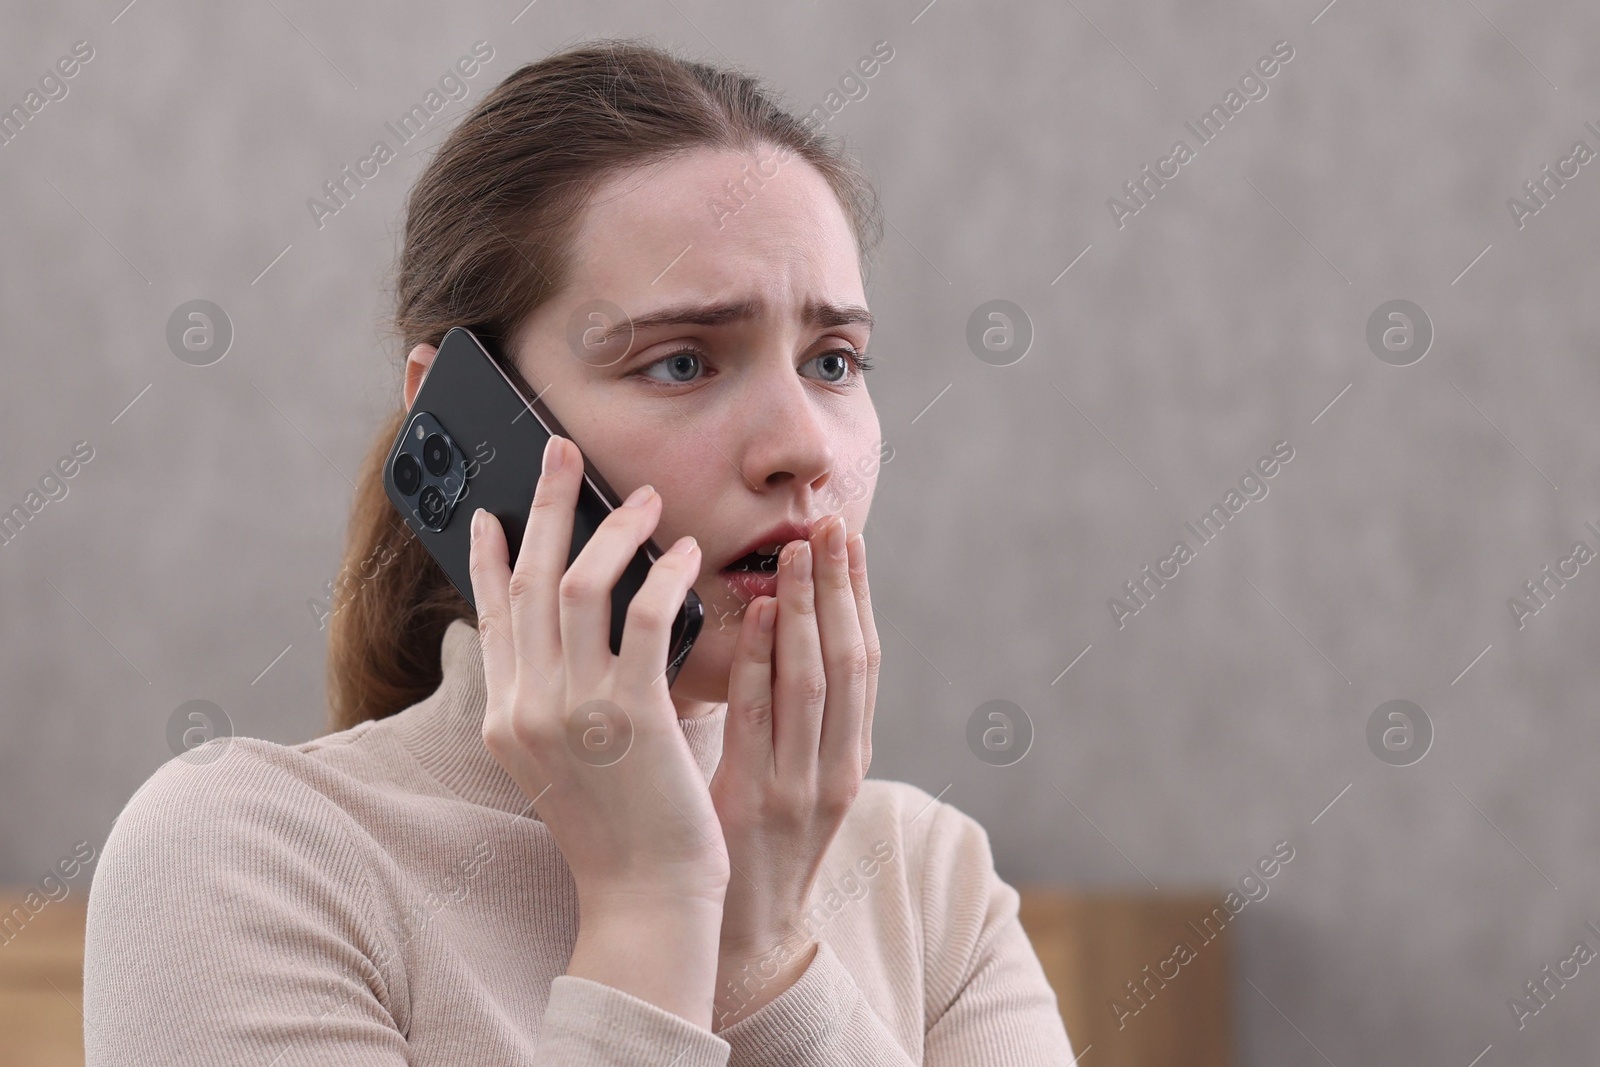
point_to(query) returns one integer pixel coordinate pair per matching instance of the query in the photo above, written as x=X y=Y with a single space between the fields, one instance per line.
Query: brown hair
x=489 y=236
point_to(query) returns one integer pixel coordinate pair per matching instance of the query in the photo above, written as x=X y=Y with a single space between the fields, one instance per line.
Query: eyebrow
x=815 y=313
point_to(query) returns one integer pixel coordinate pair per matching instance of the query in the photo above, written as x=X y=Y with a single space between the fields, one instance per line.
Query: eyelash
x=859 y=360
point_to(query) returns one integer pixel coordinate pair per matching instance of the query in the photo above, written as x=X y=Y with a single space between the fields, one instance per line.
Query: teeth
x=767 y=550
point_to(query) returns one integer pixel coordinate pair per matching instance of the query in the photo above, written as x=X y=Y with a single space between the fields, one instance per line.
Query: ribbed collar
x=444 y=732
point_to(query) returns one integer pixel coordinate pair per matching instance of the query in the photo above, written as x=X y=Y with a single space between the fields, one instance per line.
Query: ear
x=417 y=364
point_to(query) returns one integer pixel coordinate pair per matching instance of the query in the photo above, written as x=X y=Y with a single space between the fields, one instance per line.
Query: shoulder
x=943 y=856
x=230 y=822
x=922 y=864
x=932 y=833
x=234 y=790
x=234 y=877
x=981 y=986
x=234 y=831
x=228 y=788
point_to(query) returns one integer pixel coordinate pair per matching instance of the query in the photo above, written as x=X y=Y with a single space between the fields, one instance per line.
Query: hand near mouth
x=797 y=742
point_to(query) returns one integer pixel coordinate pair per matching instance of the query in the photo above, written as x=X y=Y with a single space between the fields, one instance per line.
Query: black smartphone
x=475 y=437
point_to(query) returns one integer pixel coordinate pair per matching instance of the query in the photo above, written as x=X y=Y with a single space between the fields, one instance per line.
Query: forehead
x=714 y=222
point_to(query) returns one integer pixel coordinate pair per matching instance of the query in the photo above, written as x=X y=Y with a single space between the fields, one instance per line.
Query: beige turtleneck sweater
x=386 y=895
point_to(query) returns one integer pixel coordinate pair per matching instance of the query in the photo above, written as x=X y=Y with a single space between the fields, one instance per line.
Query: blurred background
x=1378 y=261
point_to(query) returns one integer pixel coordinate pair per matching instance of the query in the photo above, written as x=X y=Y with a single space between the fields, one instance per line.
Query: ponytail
x=383 y=638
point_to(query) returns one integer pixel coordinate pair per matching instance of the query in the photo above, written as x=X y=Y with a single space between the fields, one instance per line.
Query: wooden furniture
x=41 y=982
x=1095 y=949
x=1091 y=946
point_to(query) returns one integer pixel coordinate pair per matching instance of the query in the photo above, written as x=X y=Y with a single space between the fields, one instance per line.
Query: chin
x=704 y=675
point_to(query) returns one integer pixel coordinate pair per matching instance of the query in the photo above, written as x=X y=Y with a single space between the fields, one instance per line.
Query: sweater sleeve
x=987 y=1004
x=231 y=920
x=823 y=1020
x=591 y=1024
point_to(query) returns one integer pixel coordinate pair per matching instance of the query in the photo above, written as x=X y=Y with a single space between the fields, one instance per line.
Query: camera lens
x=407 y=473
x=432 y=506
x=436 y=454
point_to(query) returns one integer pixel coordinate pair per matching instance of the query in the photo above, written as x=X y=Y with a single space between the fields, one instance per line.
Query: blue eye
x=844 y=359
x=675 y=363
x=680 y=365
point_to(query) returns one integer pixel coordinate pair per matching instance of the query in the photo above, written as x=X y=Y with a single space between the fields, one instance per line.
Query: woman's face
x=743 y=404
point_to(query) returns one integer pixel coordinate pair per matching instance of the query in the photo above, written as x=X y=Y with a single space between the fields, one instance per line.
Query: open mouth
x=756 y=563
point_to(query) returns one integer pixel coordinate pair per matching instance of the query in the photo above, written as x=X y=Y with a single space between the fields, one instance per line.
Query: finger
x=800 y=682
x=490 y=574
x=844 y=653
x=747 y=742
x=546 y=540
x=648 y=630
x=585 y=590
x=857 y=553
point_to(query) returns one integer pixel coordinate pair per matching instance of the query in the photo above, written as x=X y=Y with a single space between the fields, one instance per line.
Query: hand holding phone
x=474 y=437
x=642 y=839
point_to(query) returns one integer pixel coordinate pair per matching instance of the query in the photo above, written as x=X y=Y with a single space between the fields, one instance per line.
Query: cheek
x=690 y=484
x=857 y=477
x=857 y=499
x=671 y=461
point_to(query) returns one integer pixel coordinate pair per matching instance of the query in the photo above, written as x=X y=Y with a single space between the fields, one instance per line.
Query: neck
x=694 y=708
x=695 y=696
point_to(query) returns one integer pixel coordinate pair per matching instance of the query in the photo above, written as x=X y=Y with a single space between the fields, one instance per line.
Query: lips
x=778 y=535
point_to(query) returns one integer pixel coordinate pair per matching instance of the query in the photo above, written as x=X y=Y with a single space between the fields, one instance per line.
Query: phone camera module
x=432 y=506
x=407 y=473
x=428 y=474
x=436 y=454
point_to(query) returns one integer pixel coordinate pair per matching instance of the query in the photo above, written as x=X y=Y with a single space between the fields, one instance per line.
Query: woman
x=454 y=877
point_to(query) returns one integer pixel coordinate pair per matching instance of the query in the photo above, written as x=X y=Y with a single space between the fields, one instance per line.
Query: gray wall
x=1223 y=317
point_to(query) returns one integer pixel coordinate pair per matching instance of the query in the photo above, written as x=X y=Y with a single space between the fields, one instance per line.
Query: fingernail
x=477 y=523
x=684 y=545
x=638 y=496
x=554 y=455
x=858 y=552
x=836 y=539
x=769 y=615
x=802 y=561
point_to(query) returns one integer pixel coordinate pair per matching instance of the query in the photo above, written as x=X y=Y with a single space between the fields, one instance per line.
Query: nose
x=788 y=438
